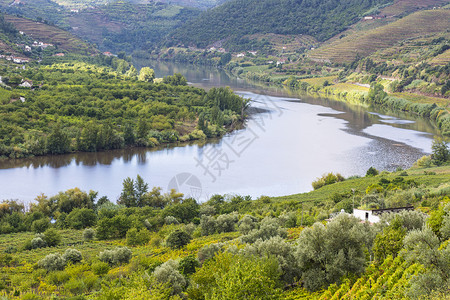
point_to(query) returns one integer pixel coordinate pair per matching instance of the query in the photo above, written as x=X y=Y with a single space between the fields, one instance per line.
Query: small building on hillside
x=26 y=84
x=373 y=216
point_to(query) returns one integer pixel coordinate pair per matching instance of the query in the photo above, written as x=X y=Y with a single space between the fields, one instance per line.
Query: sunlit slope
x=361 y=44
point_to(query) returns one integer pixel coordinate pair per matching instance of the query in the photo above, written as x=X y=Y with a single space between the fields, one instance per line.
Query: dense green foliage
x=237 y=18
x=87 y=107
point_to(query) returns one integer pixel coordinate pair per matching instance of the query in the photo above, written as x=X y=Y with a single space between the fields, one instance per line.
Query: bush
x=178 y=239
x=171 y=220
x=52 y=237
x=371 y=172
x=284 y=252
x=423 y=162
x=208 y=252
x=122 y=255
x=247 y=224
x=80 y=218
x=38 y=242
x=135 y=237
x=119 y=255
x=208 y=225
x=52 y=262
x=88 y=234
x=441 y=154
x=73 y=256
x=168 y=273
x=187 y=265
x=327 y=179
x=40 y=225
x=100 y=268
x=227 y=223
x=270 y=227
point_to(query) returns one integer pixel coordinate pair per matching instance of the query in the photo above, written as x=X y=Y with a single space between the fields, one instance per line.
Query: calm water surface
x=292 y=141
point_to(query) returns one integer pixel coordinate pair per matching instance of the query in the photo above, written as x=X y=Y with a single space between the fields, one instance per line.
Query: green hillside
x=421 y=24
x=234 y=19
x=123 y=26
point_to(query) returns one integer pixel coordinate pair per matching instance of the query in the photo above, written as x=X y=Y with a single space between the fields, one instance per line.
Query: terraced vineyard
x=388 y=281
x=361 y=44
x=50 y=34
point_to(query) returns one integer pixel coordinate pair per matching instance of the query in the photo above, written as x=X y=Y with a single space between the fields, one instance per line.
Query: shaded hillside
x=202 y=4
x=363 y=43
x=127 y=27
x=45 y=11
x=321 y=19
x=50 y=34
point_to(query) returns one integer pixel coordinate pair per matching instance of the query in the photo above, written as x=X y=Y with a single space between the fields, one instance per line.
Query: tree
x=80 y=218
x=168 y=273
x=132 y=72
x=326 y=254
x=390 y=241
x=371 y=172
x=178 y=239
x=134 y=193
x=146 y=74
x=57 y=141
x=52 y=237
x=441 y=153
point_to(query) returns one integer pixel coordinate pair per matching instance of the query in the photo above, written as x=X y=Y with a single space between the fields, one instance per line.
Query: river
x=281 y=150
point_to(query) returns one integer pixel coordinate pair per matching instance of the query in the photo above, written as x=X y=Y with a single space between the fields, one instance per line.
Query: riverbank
x=433 y=109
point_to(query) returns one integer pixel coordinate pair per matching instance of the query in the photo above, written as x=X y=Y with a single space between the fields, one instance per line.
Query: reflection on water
x=290 y=142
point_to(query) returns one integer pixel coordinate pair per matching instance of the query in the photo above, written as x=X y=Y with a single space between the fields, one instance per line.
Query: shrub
x=117 y=256
x=247 y=224
x=208 y=252
x=187 y=265
x=327 y=179
x=73 y=256
x=208 y=225
x=178 y=239
x=135 y=237
x=100 y=268
x=38 y=242
x=171 y=220
x=227 y=222
x=88 y=234
x=270 y=227
x=52 y=262
x=371 y=172
x=423 y=162
x=284 y=252
x=168 y=273
x=441 y=154
x=40 y=225
x=52 y=237
x=122 y=255
x=80 y=218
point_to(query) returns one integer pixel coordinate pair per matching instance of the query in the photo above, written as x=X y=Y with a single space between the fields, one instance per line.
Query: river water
x=293 y=140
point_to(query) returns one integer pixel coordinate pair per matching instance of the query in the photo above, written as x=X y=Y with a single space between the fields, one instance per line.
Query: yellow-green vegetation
x=167 y=247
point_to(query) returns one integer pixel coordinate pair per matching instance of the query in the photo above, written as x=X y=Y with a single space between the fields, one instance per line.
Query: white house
x=366 y=215
x=373 y=216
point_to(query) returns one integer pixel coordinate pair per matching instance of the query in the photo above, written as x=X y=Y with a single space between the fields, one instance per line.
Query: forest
x=105 y=103
x=234 y=19
x=154 y=245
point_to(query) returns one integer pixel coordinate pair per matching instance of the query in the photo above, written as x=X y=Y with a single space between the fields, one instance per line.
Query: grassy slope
x=360 y=184
x=50 y=34
x=364 y=43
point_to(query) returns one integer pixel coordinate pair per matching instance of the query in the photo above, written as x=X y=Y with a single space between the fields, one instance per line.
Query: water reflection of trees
x=88 y=158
